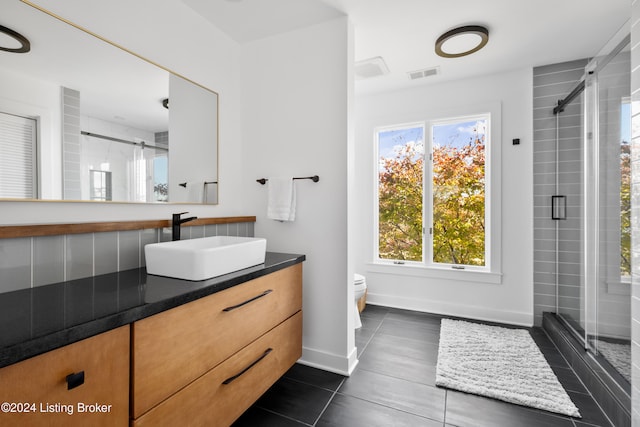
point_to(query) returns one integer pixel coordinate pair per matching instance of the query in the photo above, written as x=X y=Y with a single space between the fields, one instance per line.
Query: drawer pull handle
x=75 y=380
x=233 y=307
x=236 y=376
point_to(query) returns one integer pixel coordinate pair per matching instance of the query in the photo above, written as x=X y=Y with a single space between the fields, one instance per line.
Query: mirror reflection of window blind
x=17 y=157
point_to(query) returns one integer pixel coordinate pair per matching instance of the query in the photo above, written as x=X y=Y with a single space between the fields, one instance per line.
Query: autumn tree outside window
x=432 y=197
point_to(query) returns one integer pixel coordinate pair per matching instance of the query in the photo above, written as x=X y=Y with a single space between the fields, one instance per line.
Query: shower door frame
x=590 y=233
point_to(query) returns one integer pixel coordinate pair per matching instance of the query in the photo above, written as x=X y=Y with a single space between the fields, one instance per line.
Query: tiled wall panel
x=71 y=143
x=550 y=84
x=36 y=261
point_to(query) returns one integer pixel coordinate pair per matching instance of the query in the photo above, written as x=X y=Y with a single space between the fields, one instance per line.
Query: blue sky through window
x=625 y=122
x=390 y=141
x=457 y=134
x=160 y=170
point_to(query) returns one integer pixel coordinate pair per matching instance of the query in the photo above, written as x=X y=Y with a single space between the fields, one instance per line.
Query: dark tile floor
x=393 y=385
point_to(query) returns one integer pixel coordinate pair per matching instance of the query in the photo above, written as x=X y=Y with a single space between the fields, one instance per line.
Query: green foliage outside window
x=459 y=203
x=458 y=206
x=625 y=209
x=400 y=204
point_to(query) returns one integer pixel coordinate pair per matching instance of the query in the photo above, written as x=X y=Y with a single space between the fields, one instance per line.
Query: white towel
x=282 y=199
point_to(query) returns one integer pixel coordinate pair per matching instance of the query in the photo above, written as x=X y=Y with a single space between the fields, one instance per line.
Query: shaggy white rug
x=501 y=363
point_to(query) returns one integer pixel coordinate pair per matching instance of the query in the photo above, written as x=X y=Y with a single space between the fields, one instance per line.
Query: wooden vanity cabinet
x=202 y=363
x=221 y=395
x=82 y=384
x=207 y=361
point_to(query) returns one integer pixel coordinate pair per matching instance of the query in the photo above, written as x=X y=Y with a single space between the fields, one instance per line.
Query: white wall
x=184 y=42
x=510 y=301
x=295 y=123
x=194 y=157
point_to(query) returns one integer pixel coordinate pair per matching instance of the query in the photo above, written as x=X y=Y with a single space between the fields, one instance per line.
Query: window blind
x=17 y=157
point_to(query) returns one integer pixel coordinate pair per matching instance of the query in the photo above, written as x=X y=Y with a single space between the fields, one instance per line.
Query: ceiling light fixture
x=462 y=41
x=25 y=45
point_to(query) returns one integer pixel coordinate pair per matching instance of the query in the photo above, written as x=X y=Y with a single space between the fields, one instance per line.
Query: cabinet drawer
x=42 y=382
x=172 y=349
x=225 y=392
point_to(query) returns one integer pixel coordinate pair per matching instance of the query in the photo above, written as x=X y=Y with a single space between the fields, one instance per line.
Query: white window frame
x=491 y=272
x=376 y=216
x=428 y=193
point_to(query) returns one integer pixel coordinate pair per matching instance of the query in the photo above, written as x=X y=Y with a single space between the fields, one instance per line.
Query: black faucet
x=175 y=224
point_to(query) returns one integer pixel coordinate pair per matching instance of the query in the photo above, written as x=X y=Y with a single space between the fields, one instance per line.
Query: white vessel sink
x=199 y=259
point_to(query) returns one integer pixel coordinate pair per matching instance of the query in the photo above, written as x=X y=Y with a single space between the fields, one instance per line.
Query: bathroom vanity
x=129 y=348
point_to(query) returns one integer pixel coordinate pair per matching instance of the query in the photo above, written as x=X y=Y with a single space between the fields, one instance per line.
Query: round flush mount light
x=12 y=41
x=462 y=41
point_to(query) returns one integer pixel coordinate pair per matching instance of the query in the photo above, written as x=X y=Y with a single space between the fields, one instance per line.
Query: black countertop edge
x=237 y=278
x=32 y=347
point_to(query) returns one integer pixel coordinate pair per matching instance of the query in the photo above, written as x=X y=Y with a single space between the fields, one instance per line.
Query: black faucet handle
x=176 y=216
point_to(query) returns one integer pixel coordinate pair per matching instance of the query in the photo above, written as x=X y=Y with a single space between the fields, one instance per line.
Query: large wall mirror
x=82 y=119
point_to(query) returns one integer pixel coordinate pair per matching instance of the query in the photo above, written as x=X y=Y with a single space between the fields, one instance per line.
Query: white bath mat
x=501 y=363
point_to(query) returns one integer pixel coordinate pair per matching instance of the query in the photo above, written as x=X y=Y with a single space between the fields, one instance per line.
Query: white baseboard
x=449 y=309
x=329 y=361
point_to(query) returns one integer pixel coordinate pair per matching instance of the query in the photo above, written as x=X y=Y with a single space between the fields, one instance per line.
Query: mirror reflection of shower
x=131 y=170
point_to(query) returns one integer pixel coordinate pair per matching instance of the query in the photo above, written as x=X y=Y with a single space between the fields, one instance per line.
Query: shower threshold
x=607 y=386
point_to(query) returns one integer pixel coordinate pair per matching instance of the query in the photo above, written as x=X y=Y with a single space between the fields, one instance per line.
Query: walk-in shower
x=590 y=209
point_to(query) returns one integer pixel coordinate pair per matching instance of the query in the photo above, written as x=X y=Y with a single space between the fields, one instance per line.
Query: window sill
x=415 y=270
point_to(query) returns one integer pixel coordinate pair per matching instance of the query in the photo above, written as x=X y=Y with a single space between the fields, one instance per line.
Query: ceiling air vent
x=372 y=67
x=419 y=74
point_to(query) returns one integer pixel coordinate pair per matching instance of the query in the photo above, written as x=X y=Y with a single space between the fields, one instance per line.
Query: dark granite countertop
x=37 y=320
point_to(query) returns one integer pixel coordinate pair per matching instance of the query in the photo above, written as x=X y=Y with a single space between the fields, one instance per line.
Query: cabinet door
x=173 y=348
x=82 y=384
x=220 y=396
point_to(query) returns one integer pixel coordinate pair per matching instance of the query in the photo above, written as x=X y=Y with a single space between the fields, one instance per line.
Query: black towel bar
x=184 y=184
x=314 y=178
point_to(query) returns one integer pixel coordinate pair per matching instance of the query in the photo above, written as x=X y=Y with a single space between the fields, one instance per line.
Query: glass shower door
x=608 y=212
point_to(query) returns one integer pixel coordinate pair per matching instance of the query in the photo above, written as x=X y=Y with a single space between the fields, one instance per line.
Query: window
x=160 y=178
x=625 y=192
x=18 y=163
x=433 y=196
x=400 y=195
x=100 y=185
x=457 y=230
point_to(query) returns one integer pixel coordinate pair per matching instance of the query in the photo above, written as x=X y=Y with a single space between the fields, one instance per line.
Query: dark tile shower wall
x=162 y=139
x=71 y=143
x=550 y=84
x=35 y=261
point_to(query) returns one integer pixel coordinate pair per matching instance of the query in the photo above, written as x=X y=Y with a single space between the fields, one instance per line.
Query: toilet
x=359 y=288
